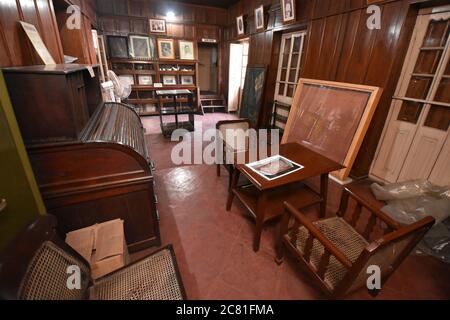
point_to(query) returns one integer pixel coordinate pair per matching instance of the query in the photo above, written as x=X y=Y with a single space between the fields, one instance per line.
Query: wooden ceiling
x=212 y=3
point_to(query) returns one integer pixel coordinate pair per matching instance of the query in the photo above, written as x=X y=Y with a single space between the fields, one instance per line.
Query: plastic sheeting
x=409 y=202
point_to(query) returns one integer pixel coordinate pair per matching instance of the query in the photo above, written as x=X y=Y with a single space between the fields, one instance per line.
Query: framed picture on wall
x=240 y=25
x=288 y=8
x=259 y=18
x=169 y=80
x=186 y=50
x=166 y=49
x=187 y=80
x=157 y=26
x=142 y=47
x=118 y=47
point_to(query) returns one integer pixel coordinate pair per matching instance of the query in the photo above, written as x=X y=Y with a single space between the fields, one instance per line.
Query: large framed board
x=332 y=118
x=252 y=96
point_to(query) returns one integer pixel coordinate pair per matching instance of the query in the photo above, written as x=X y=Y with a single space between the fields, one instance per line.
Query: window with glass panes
x=291 y=51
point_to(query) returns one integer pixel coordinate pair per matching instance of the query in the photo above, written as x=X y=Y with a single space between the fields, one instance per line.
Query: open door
x=237 y=72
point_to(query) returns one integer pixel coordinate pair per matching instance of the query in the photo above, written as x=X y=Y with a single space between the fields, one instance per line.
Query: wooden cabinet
x=90 y=159
x=52 y=103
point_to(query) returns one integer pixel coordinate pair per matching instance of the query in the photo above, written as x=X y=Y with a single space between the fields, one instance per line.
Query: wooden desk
x=265 y=199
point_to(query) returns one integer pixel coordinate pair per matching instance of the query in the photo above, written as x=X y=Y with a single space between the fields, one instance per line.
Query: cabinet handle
x=3 y=205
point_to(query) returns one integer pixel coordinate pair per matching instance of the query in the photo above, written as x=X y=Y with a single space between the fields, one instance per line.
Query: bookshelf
x=143 y=74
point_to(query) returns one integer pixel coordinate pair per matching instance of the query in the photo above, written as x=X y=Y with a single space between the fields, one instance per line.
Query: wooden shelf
x=122 y=72
x=299 y=195
x=183 y=73
x=131 y=61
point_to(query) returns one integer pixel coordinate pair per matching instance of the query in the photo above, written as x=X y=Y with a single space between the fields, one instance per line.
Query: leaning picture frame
x=187 y=50
x=166 y=49
x=170 y=80
x=118 y=47
x=187 y=80
x=142 y=47
x=332 y=119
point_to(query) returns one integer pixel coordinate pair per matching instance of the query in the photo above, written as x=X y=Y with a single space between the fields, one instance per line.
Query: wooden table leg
x=234 y=184
x=262 y=201
x=323 y=194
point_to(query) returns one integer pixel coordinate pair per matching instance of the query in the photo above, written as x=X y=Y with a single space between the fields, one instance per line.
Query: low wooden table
x=265 y=199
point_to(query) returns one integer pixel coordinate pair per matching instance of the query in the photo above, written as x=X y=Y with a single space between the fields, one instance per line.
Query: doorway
x=237 y=71
x=208 y=68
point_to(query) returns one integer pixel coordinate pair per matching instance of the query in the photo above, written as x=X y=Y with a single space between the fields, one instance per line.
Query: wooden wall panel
x=17 y=49
x=340 y=47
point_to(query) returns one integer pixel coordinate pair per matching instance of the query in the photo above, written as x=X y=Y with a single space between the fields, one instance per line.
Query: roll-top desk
x=103 y=173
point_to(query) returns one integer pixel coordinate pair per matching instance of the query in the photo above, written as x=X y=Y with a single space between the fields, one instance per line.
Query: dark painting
x=252 y=97
x=118 y=47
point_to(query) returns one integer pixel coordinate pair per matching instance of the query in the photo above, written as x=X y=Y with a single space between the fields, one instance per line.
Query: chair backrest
x=237 y=142
x=386 y=253
x=34 y=266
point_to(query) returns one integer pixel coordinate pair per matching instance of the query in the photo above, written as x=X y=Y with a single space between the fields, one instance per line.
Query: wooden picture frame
x=240 y=25
x=332 y=118
x=187 y=50
x=142 y=47
x=259 y=18
x=288 y=8
x=253 y=94
x=118 y=47
x=158 y=26
x=145 y=80
x=169 y=80
x=187 y=80
x=166 y=49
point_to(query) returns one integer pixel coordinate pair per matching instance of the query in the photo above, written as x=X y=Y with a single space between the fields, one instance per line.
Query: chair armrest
x=316 y=233
x=375 y=211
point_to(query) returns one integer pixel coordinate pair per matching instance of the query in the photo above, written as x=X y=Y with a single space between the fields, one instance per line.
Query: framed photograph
x=145 y=80
x=187 y=80
x=259 y=18
x=127 y=79
x=240 y=25
x=288 y=8
x=170 y=80
x=186 y=50
x=118 y=47
x=166 y=49
x=274 y=167
x=157 y=26
x=142 y=47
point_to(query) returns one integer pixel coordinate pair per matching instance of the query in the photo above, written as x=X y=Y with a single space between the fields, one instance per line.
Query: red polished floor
x=213 y=246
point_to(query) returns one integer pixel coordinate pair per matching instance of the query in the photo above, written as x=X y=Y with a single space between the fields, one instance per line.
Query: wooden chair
x=35 y=267
x=337 y=252
x=232 y=146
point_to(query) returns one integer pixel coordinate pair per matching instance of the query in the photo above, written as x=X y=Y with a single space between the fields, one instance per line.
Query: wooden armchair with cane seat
x=337 y=252
x=37 y=266
x=234 y=144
